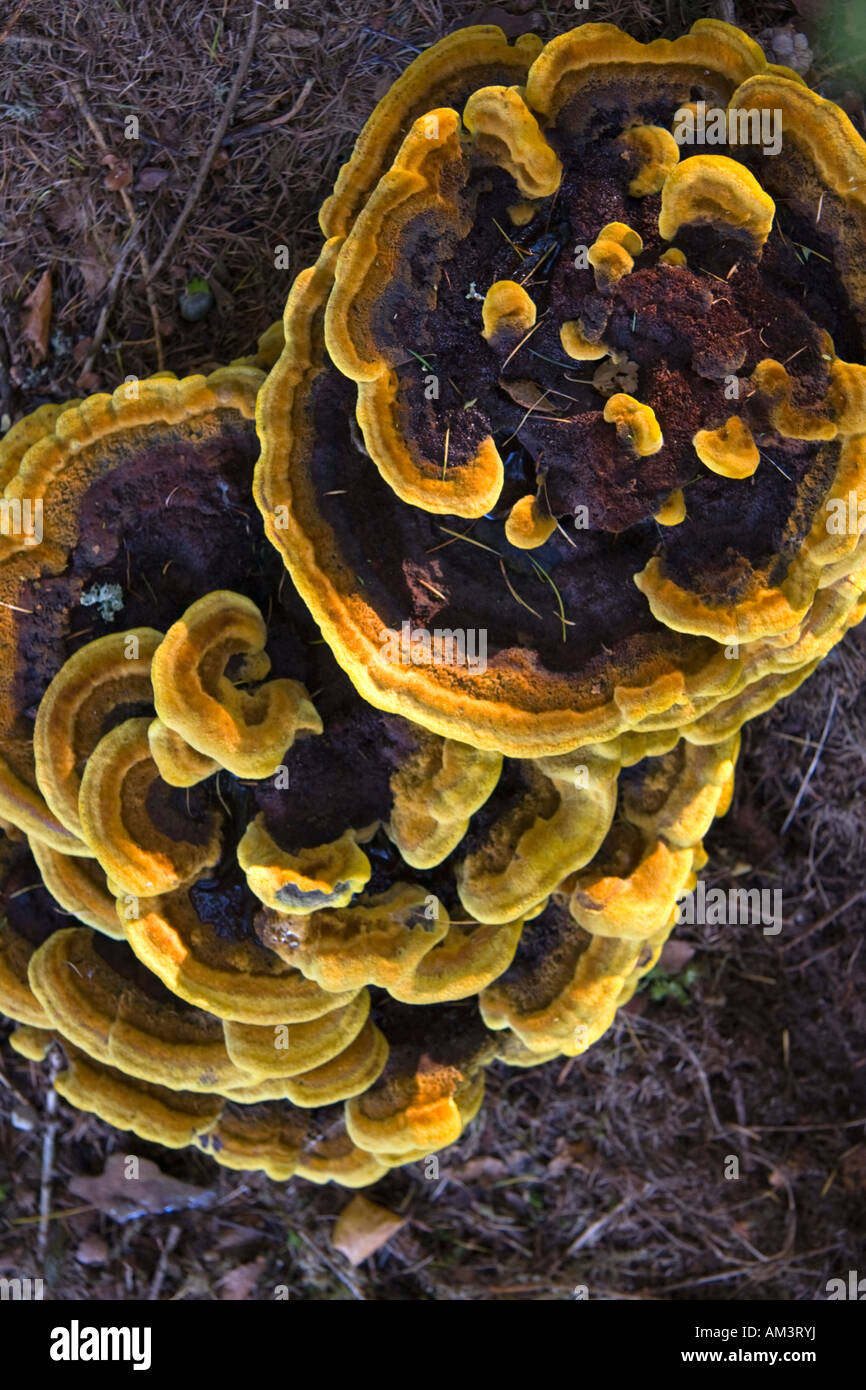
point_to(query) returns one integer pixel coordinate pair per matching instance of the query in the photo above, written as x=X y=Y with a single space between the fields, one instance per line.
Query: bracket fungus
x=624 y=578
x=317 y=877
x=286 y=866
x=246 y=732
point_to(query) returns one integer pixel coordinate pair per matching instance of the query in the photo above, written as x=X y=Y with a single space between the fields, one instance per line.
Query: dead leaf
x=238 y=1235
x=118 y=1192
x=95 y=275
x=529 y=395
x=239 y=1283
x=150 y=178
x=675 y=956
x=300 y=38
x=68 y=212
x=482 y=1167
x=363 y=1228
x=37 y=324
x=119 y=172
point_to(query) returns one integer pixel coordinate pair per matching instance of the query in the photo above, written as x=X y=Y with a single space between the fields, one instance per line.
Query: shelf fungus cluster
x=598 y=389
x=365 y=704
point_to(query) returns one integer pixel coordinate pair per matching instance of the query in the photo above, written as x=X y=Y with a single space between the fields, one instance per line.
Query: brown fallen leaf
x=150 y=178
x=529 y=395
x=485 y=1166
x=239 y=1283
x=300 y=38
x=37 y=321
x=94 y=273
x=68 y=212
x=363 y=1228
x=119 y=172
x=119 y=1193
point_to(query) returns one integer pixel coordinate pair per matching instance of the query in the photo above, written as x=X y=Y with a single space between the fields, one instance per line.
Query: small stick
x=213 y=147
x=261 y=126
x=813 y=764
x=110 y=297
x=162 y=1264
x=827 y=918
x=48 y=1137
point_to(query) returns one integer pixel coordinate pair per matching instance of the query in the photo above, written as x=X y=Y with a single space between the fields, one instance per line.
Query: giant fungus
x=550 y=445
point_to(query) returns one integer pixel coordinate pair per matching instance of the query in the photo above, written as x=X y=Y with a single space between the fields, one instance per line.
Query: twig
x=334 y=1268
x=261 y=126
x=802 y=1128
x=162 y=1263
x=813 y=764
x=827 y=918
x=110 y=297
x=48 y=1137
x=213 y=147
x=768 y=1267
x=596 y=1227
x=98 y=136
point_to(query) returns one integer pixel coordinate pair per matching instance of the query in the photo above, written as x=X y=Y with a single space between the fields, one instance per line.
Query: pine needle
x=514 y=594
x=539 y=569
x=433 y=590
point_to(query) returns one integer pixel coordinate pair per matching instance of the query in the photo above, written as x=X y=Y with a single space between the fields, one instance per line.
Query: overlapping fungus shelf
x=558 y=384
x=549 y=443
